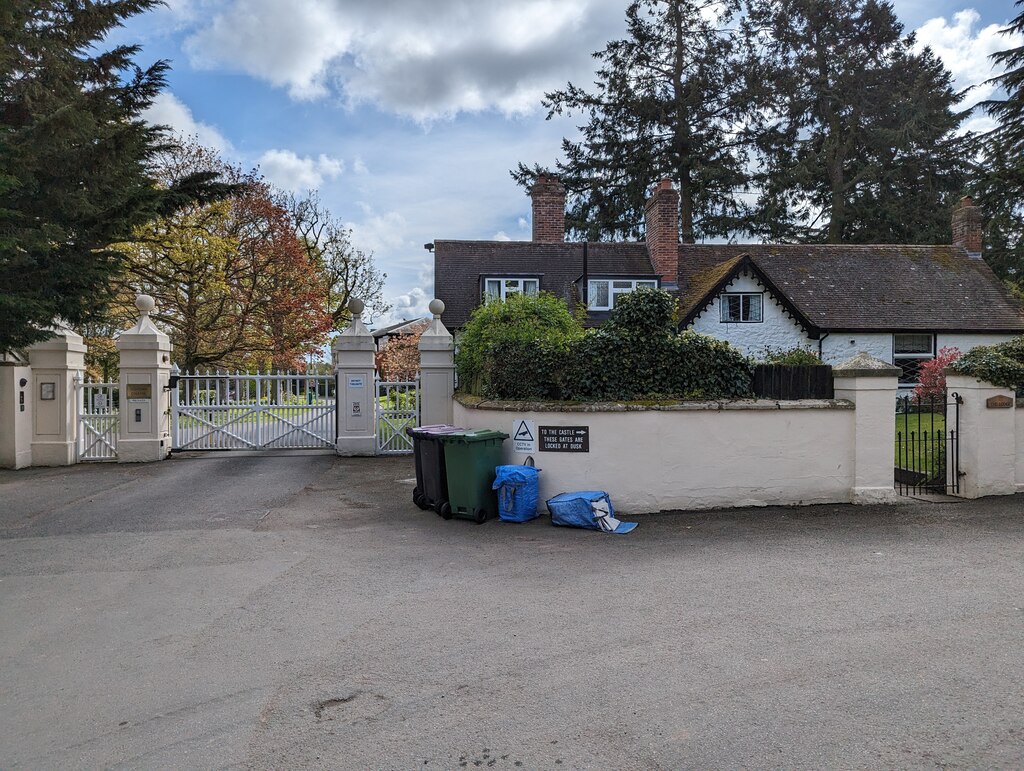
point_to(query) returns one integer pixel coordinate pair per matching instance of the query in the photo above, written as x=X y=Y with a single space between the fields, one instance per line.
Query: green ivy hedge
x=1001 y=364
x=637 y=354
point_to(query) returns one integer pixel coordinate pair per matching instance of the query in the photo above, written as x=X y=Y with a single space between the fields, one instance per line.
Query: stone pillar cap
x=865 y=365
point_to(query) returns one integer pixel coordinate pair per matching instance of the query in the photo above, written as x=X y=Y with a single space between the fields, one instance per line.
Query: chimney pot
x=548 y=194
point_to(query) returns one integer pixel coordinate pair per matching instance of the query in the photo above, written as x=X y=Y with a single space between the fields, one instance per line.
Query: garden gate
x=398 y=408
x=243 y=411
x=98 y=407
x=928 y=444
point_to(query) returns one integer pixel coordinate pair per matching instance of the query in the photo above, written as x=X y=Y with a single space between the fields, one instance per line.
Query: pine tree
x=667 y=102
x=74 y=156
x=1010 y=111
x=858 y=130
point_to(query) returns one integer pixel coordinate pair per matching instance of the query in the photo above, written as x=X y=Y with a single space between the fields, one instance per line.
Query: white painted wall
x=696 y=456
x=840 y=346
x=777 y=331
x=966 y=342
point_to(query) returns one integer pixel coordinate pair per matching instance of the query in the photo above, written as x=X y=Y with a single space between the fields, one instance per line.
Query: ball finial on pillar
x=436 y=307
x=145 y=304
x=356 y=306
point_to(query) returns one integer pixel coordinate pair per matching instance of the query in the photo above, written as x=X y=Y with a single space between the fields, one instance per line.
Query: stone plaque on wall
x=140 y=391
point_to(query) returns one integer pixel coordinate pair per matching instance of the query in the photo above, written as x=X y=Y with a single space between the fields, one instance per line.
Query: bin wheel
x=420 y=499
x=479 y=516
x=445 y=510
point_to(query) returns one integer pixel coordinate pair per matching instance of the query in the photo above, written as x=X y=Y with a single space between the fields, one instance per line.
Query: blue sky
x=407 y=115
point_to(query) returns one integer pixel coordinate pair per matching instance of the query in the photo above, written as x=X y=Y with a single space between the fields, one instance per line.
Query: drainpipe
x=821 y=339
x=586 y=284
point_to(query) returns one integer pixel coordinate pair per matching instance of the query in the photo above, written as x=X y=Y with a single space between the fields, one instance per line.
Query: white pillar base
x=53 y=454
x=353 y=446
x=873 y=495
x=142 y=450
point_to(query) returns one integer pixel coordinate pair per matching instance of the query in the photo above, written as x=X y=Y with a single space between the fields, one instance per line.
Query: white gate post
x=437 y=371
x=871 y=384
x=54 y=364
x=143 y=434
x=356 y=394
x=987 y=437
x=15 y=414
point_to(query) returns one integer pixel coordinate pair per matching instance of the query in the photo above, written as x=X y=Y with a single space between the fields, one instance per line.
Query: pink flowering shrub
x=931 y=380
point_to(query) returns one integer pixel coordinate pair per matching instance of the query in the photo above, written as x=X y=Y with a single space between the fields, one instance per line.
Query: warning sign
x=524 y=436
x=565 y=439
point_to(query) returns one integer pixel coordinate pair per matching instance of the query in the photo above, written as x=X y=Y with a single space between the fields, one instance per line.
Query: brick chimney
x=661 y=223
x=967 y=226
x=548 y=195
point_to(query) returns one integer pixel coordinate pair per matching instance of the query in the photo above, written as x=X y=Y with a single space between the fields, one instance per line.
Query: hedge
x=1001 y=364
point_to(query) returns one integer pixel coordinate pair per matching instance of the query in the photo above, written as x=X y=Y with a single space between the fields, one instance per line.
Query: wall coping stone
x=498 y=405
x=864 y=365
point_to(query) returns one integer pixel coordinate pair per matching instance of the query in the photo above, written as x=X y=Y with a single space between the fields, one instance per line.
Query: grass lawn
x=923 y=446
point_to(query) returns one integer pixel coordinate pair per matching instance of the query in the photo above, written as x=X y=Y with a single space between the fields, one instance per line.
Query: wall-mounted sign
x=99 y=402
x=524 y=436
x=564 y=438
x=355 y=409
x=47 y=392
x=1000 y=402
x=355 y=382
x=140 y=391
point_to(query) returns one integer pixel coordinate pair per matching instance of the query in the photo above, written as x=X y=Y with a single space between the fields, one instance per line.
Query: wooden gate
x=244 y=411
x=99 y=418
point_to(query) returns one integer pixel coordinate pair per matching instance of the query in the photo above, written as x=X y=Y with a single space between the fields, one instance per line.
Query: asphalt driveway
x=297 y=611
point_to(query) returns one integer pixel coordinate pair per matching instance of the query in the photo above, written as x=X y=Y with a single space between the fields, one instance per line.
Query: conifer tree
x=857 y=128
x=74 y=156
x=667 y=102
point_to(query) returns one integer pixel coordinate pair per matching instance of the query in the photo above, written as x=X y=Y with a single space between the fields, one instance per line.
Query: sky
x=407 y=115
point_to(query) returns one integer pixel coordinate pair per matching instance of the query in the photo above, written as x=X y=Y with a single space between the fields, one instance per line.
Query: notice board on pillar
x=564 y=438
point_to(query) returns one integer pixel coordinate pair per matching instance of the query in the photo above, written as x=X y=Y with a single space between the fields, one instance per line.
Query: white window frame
x=504 y=290
x=626 y=285
x=911 y=356
x=724 y=306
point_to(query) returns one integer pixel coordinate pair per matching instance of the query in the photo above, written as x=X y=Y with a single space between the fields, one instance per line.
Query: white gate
x=98 y=420
x=242 y=411
x=398 y=408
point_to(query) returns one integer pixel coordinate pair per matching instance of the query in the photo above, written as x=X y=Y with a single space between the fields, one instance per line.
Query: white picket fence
x=398 y=408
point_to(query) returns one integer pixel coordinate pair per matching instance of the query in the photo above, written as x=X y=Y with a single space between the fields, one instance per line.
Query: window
x=500 y=288
x=741 y=307
x=601 y=292
x=909 y=352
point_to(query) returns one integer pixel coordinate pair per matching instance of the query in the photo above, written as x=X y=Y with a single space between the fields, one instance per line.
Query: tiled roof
x=863 y=287
x=459 y=266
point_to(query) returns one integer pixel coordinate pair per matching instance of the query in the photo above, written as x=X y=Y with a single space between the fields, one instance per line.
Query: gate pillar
x=988 y=453
x=55 y=362
x=143 y=434
x=437 y=371
x=871 y=385
x=16 y=390
x=354 y=368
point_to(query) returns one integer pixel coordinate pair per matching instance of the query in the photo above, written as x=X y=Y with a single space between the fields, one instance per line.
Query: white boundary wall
x=693 y=456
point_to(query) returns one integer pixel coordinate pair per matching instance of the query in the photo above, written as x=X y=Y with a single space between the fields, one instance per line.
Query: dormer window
x=742 y=307
x=501 y=287
x=602 y=292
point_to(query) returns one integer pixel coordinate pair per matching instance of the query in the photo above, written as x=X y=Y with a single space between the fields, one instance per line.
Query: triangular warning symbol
x=523 y=433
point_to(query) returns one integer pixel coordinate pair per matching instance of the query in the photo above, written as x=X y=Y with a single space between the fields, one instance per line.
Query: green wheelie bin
x=470 y=459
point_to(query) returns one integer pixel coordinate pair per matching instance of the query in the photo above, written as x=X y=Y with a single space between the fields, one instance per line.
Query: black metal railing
x=927 y=457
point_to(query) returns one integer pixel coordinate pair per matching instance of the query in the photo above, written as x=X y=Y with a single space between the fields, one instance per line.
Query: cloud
x=424 y=60
x=168 y=110
x=965 y=50
x=287 y=170
x=413 y=303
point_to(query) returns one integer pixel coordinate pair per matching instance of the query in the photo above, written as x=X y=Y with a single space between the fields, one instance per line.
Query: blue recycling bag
x=589 y=509
x=518 y=491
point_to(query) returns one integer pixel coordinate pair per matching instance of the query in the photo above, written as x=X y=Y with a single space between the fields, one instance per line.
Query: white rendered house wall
x=776 y=331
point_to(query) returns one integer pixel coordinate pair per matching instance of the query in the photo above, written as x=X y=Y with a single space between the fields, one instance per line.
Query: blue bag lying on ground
x=590 y=509
x=518 y=490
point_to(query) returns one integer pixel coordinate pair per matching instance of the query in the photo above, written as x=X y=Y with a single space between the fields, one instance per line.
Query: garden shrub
x=500 y=338
x=1001 y=364
x=931 y=374
x=801 y=357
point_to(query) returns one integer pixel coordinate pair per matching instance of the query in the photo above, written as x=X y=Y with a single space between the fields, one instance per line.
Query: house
x=382 y=336
x=900 y=303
